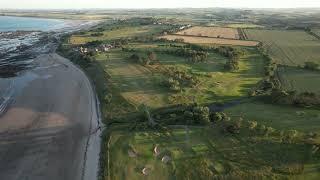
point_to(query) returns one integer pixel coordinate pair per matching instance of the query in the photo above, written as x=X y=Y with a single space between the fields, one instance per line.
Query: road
x=49 y=129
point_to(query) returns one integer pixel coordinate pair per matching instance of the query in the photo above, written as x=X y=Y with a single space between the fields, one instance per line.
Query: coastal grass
x=134 y=82
x=202 y=152
x=116 y=33
x=288 y=47
x=139 y=84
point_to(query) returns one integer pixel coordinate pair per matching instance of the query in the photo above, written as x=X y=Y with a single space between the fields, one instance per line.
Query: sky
x=85 y=4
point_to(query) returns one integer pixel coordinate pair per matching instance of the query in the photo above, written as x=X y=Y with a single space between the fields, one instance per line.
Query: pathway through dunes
x=49 y=128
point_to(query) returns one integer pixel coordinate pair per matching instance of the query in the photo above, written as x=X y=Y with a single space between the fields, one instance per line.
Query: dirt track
x=45 y=130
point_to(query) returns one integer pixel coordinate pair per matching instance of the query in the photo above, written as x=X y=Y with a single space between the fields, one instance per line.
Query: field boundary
x=183 y=35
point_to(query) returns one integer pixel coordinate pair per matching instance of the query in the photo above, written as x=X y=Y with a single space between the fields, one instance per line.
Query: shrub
x=201 y=115
x=252 y=124
x=135 y=58
x=311 y=65
x=97 y=34
x=108 y=98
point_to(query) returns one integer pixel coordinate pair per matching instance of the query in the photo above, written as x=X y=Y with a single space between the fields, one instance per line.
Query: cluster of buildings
x=101 y=48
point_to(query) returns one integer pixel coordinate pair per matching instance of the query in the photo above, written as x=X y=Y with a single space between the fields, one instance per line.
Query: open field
x=245 y=26
x=206 y=40
x=136 y=83
x=200 y=153
x=301 y=80
x=288 y=47
x=143 y=85
x=279 y=117
x=116 y=33
x=133 y=78
x=216 y=32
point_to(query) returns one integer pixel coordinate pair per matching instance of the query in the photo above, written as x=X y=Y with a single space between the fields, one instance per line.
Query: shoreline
x=88 y=150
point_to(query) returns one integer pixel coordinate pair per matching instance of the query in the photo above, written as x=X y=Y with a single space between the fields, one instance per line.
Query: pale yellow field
x=216 y=32
x=206 y=40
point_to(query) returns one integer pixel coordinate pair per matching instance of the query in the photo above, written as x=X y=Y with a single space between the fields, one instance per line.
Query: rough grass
x=228 y=33
x=288 y=47
x=204 y=153
x=134 y=82
x=216 y=84
x=317 y=31
x=116 y=33
x=279 y=117
x=206 y=40
x=143 y=85
x=298 y=79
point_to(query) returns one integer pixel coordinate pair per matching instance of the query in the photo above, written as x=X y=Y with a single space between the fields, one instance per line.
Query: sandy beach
x=49 y=127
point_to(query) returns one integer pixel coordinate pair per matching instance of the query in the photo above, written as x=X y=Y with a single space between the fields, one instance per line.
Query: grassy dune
x=199 y=153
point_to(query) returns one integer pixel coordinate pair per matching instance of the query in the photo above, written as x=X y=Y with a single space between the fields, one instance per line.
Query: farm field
x=116 y=33
x=290 y=48
x=199 y=153
x=206 y=40
x=298 y=79
x=216 y=32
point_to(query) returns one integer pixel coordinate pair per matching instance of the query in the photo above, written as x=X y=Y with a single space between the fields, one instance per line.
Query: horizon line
x=134 y=8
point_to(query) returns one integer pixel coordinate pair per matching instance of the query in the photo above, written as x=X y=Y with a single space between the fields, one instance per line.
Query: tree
x=108 y=98
x=201 y=115
x=252 y=124
x=311 y=65
x=135 y=58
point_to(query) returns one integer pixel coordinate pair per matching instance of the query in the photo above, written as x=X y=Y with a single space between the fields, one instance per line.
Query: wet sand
x=49 y=128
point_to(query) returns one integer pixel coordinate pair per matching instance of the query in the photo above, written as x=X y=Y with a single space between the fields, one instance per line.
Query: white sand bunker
x=132 y=153
x=146 y=171
x=166 y=159
x=156 y=150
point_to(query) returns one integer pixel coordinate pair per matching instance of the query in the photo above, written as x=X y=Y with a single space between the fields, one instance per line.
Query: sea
x=10 y=23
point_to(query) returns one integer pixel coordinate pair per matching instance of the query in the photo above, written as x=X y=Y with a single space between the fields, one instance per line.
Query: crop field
x=207 y=40
x=298 y=79
x=216 y=32
x=291 y=48
x=199 y=153
x=116 y=33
